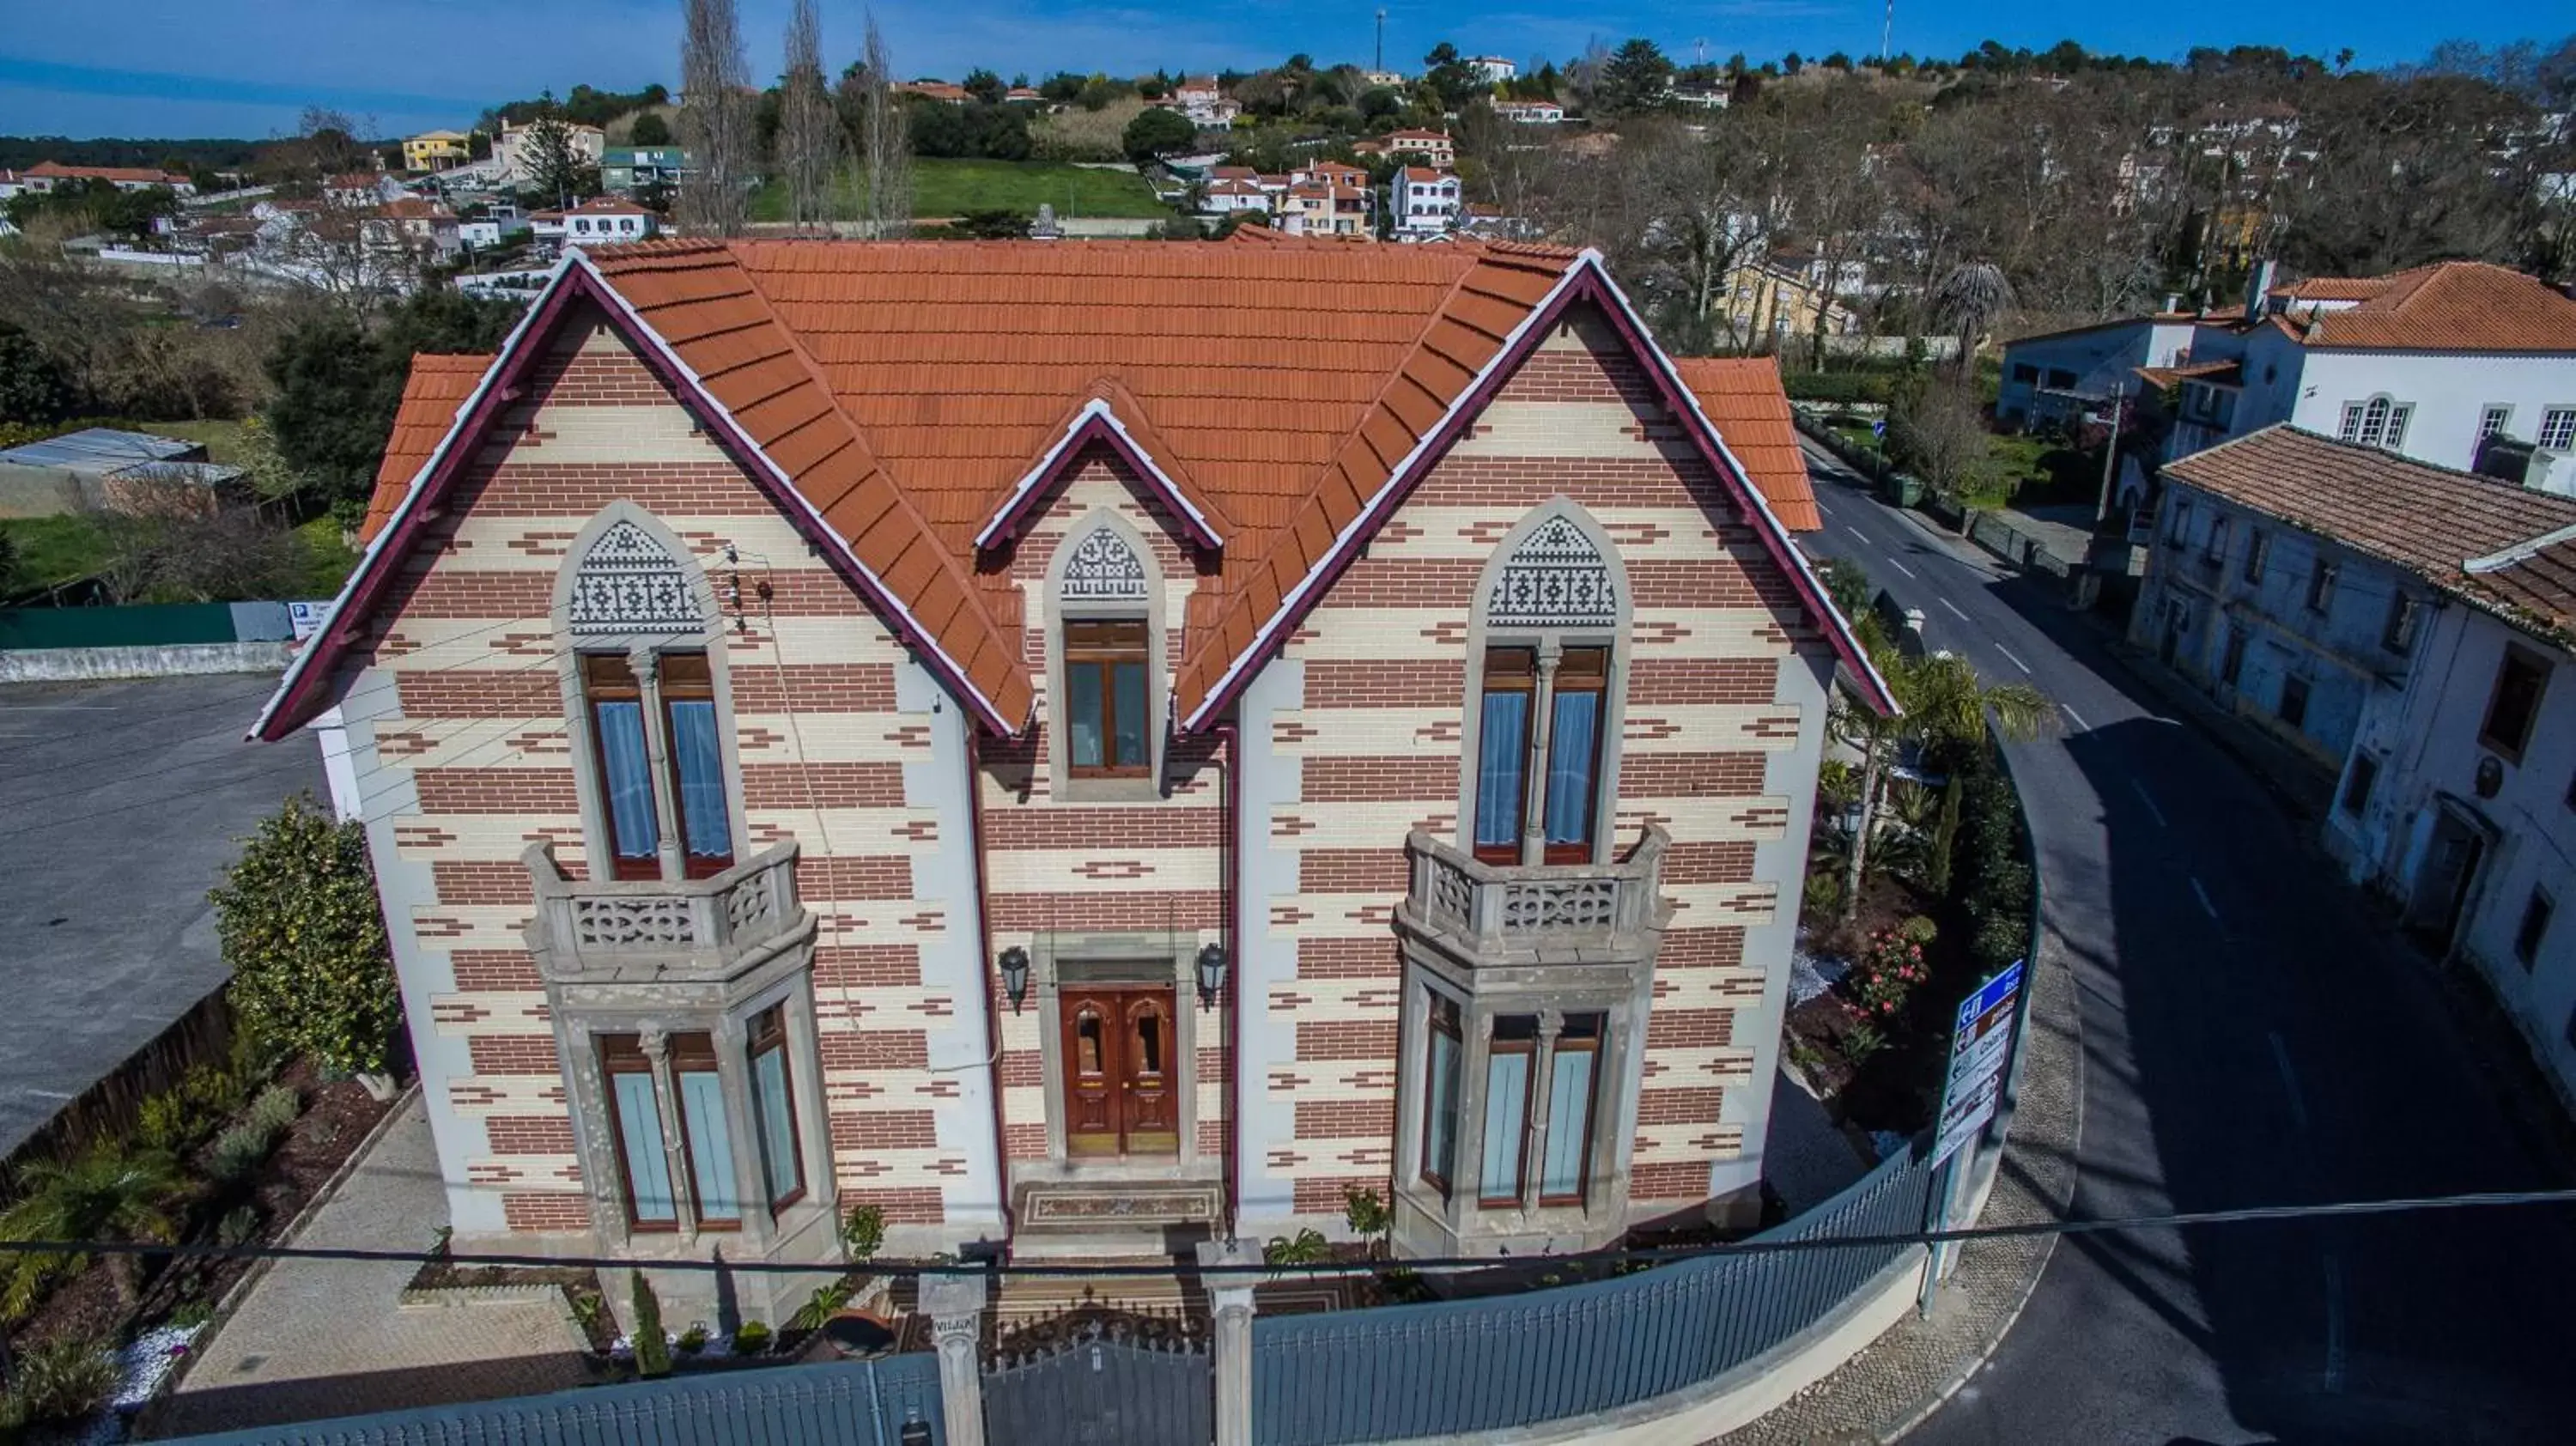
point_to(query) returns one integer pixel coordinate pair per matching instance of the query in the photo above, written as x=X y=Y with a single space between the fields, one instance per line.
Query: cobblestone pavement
x=1888 y=1388
x=321 y=1338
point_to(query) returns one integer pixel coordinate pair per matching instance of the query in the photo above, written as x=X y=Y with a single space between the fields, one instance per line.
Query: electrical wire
x=1758 y=1245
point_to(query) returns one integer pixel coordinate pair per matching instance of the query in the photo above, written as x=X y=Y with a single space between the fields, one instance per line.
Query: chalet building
x=1080 y=745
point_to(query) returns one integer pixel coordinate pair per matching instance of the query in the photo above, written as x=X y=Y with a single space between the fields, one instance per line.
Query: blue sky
x=247 y=67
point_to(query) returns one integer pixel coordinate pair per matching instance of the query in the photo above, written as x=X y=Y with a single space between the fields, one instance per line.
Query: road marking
x=2290 y=1082
x=2334 y=1322
x=1954 y=610
x=2206 y=906
x=2008 y=653
x=2149 y=800
x=1901 y=567
x=2079 y=719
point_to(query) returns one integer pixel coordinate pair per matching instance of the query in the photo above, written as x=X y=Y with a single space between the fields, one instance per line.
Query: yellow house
x=1764 y=299
x=437 y=150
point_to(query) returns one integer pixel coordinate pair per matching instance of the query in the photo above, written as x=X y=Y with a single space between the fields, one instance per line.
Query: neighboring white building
x=1422 y=202
x=599 y=220
x=359 y=189
x=45 y=175
x=1207 y=107
x=423 y=229
x=1492 y=69
x=1530 y=112
x=1431 y=148
x=2456 y=797
x=2059 y=373
x=1224 y=195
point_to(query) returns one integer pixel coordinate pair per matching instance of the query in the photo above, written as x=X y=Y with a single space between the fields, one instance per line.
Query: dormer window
x=1105 y=667
x=1105 y=712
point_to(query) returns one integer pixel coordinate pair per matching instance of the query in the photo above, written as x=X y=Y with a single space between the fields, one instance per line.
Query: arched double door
x=1119 y=1066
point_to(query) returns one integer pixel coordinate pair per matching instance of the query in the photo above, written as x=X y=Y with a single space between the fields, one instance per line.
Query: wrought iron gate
x=1104 y=1386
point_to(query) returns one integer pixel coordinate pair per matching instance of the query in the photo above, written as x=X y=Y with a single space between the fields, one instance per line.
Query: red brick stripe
x=1653 y=681
x=497 y=790
x=1381 y=780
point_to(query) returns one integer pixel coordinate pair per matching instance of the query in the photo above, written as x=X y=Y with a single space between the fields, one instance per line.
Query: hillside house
x=1421 y=202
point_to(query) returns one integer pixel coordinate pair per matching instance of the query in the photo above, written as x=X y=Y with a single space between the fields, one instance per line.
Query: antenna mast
x=1381 y=36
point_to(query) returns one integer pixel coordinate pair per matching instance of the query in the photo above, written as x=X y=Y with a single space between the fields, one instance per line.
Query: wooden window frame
x=624 y=1054
x=1597 y=683
x=1103 y=644
x=1576 y=1044
x=766 y=1032
x=1446 y=1018
x=2488 y=738
x=687 y=677
x=694 y=1052
x=1507 y=853
x=1495 y=1047
x=610 y=678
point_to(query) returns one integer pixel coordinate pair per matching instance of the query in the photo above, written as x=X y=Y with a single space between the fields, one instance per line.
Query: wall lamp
x=1015 y=975
x=1211 y=967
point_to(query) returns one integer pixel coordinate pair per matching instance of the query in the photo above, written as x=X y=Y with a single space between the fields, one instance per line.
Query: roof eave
x=1096 y=421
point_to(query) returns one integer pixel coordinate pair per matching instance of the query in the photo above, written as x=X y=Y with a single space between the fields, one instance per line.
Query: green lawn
x=54 y=549
x=943 y=188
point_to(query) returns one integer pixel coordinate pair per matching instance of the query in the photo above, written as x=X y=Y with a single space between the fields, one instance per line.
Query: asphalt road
x=2253 y=1035
x=121 y=803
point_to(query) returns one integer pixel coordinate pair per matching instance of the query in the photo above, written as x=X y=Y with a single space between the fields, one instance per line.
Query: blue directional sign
x=1979 y=1046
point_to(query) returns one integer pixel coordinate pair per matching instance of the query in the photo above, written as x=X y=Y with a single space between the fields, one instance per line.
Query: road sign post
x=1981 y=1049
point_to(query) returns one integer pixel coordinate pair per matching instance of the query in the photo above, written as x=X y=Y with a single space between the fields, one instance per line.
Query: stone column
x=1230 y=1300
x=1534 y=787
x=647 y=665
x=656 y=1044
x=1541 y=1095
x=955 y=1305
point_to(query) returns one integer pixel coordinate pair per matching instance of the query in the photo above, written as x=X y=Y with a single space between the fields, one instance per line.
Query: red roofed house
x=1081 y=745
x=597 y=221
x=1421 y=201
x=45 y=175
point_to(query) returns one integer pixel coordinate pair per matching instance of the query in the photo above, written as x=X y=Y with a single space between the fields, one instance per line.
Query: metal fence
x=144 y=625
x=1451 y=1367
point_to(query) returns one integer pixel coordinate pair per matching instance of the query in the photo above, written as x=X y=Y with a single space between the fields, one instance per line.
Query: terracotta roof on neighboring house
x=2225 y=373
x=437 y=386
x=908 y=396
x=55 y=170
x=1743 y=398
x=1423 y=174
x=2430 y=520
x=2535 y=580
x=2448 y=306
x=353 y=180
x=1231 y=173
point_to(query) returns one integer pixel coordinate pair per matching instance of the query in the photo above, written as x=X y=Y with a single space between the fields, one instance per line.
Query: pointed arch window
x=1553 y=604
x=1106 y=666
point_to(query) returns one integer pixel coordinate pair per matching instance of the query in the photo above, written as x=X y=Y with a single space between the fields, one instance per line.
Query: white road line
x=2334 y=1322
x=2290 y=1082
x=2149 y=800
x=2080 y=724
x=2008 y=653
x=1901 y=567
x=1954 y=610
x=2206 y=906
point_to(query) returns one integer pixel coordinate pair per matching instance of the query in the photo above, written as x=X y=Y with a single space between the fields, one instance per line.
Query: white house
x=1530 y=112
x=599 y=220
x=1431 y=148
x=45 y=175
x=1492 y=69
x=362 y=189
x=2421 y=616
x=1421 y=201
x=1207 y=106
x=2460 y=364
x=1226 y=194
x=423 y=229
x=2058 y=373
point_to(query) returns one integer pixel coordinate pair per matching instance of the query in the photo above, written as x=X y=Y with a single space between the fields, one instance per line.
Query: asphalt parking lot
x=120 y=804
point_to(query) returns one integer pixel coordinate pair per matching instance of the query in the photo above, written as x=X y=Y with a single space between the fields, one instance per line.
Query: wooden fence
x=107 y=1110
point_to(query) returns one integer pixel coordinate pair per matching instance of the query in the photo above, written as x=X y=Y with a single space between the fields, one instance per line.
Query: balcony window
x=1440 y=1094
x=697 y=763
x=616 y=707
x=782 y=1164
x=1543 y=703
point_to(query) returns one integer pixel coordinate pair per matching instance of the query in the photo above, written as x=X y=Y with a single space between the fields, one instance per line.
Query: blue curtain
x=639 y=1134
x=1569 y=1102
x=699 y=763
x=1569 y=767
x=1440 y=1120
x=1129 y=680
x=710 y=1145
x=630 y=778
x=1506 y=1115
x=779 y=1166
x=1082 y=715
x=1500 y=751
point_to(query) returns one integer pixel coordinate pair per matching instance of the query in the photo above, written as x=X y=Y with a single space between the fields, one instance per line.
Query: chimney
x=2258 y=289
x=2173 y=302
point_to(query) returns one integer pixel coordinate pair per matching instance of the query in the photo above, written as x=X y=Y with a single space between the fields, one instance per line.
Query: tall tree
x=809 y=137
x=1969 y=299
x=556 y=167
x=1636 y=77
x=887 y=154
x=1945 y=706
x=716 y=119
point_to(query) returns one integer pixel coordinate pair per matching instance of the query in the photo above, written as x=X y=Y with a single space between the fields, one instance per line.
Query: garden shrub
x=58 y=1381
x=238 y=1152
x=305 y=941
x=276 y=1108
x=652 y=1347
x=167 y=1121
x=751 y=1339
x=863 y=1231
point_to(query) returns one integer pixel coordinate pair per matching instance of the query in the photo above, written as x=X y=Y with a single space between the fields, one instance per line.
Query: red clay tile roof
x=2429 y=520
x=2536 y=582
x=1743 y=398
x=152 y=174
x=2448 y=306
x=437 y=386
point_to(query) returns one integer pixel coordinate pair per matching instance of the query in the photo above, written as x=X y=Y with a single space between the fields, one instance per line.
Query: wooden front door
x=1119 y=1086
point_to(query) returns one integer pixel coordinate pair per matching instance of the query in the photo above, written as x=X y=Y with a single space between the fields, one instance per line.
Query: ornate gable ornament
x=1104 y=568
x=630 y=583
x=1556 y=578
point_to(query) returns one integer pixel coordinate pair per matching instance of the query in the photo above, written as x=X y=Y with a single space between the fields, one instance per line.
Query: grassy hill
x=955 y=187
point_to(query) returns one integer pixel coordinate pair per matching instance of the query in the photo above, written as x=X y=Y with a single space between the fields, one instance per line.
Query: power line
x=1760 y=1245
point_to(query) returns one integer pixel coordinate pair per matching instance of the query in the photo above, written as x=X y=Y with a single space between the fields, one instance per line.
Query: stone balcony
x=1489 y=917
x=653 y=931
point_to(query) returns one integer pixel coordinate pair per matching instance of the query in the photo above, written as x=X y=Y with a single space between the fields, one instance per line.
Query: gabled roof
x=56 y=170
x=2448 y=306
x=896 y=397
x=2431 y=521
x=437 y=386
x=1110 y=417
x=1744 y=399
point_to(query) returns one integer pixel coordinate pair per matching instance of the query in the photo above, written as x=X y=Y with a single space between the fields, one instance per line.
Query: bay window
x=782 y=1163
x=1440 y=1094
x=705 y=1135
x=670 y=1103
x=1572 y=1088
x=634 y=1106
x=1508 y=1062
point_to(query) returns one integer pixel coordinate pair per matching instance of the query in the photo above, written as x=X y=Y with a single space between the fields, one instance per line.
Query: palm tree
x=1944 y=704
x=104 y=1195
x=1968 y=300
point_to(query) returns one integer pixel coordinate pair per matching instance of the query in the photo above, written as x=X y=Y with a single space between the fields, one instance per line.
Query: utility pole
x=1381 y=37
x=1886 y=30
x=2110 y=459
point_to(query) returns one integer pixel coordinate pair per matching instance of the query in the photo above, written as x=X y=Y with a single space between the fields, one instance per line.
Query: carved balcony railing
x=1502 y=912
x=685 y=929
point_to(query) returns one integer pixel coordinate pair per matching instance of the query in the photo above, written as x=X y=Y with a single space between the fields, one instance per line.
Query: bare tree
x=715 y=119
x=888 y=154
x=809 y=135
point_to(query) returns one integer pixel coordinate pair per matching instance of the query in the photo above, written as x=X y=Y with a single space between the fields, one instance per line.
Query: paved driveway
x=120 y=805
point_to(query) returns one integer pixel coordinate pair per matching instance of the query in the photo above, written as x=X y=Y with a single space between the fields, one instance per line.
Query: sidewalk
x=320 y=1338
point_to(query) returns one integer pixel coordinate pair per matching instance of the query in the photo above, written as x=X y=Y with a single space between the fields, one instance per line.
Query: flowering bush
x=1889 y=967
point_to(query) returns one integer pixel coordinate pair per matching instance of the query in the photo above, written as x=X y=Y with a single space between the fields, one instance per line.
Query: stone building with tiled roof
x=1078 y=745
x=2410 y=628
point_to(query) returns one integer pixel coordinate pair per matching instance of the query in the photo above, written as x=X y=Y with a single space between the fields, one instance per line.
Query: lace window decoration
x=1104 y=569
x=1555 y=578
x=630 y=583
